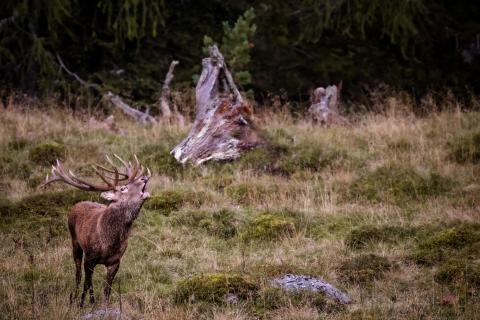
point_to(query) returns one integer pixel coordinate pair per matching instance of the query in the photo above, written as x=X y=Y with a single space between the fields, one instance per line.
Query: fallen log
x=324 y=108
x=139 y=116
x=116 y=100
x=223 y=128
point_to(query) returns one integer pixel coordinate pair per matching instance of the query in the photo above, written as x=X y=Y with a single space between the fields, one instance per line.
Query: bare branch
x=165 y=96
x=73 y=74
x=138 y=115
x=143 y=118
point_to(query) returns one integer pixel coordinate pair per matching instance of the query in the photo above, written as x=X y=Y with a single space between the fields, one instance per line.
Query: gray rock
x=108 y=313
x=293 y=282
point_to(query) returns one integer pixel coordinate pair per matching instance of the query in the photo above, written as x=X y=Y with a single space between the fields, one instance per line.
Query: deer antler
x=59 y=174
x=132 y=173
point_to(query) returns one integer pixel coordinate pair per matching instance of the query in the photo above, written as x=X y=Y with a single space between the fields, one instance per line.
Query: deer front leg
x=77 y=257
x=111 y=272
x=89 y=265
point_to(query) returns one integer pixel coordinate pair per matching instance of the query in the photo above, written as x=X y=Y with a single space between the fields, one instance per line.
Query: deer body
x=100 y=232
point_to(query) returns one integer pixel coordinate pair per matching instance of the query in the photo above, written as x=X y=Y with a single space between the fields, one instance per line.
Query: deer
x=99 y=232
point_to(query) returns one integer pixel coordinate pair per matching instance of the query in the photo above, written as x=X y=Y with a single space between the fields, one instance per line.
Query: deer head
x=120 y=188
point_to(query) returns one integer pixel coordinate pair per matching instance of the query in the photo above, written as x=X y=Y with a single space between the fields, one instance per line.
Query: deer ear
x=108 y=195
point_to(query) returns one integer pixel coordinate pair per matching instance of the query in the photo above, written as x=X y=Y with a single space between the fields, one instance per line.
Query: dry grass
x=424 y=188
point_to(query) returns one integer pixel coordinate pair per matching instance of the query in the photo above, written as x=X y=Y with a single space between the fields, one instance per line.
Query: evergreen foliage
x=236 y=45
x=127 y=45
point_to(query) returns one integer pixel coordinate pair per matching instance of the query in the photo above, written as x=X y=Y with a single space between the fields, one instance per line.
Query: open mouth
x=144 y=187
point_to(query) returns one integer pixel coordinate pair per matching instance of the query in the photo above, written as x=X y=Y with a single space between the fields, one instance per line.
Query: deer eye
x=124 y=189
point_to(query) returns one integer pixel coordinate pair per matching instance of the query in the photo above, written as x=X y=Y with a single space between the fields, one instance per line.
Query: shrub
x=466 y=149
x=213 y=287
x=268 y=226
x=48 y=203
x=365 y=235
x=338 y=225
x=158 y=158
x=168 y=201
x=165 y=202
x=219 y=223
x=397 y=183
x=364 y=268
x=455 y=272
x=446 y=243
x=46 y=153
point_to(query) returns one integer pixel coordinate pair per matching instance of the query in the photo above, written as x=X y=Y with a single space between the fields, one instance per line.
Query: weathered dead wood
x=324 y=108
x=117 y=101
x=165 y=102
x=223 y=128
x=139 y=116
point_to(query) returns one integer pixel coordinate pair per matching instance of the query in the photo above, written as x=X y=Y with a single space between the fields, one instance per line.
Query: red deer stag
x=100 y=232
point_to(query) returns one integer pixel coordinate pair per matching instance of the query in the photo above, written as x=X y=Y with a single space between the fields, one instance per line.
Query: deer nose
x=144 y=179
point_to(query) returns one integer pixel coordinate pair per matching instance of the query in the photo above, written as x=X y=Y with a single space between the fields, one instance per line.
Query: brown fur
x=100 y=233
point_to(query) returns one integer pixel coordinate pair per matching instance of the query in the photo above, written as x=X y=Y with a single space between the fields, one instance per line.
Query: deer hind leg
x=77 y=257
x=111 y=272
x=88 y=266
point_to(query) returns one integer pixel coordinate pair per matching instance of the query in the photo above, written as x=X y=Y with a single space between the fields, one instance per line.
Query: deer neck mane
x=123 y=212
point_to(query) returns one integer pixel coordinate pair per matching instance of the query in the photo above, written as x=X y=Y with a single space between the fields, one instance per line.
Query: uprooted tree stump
x=324 y=108
x=223 y=128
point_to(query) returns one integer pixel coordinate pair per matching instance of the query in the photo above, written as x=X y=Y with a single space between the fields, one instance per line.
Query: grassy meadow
x=386 y=209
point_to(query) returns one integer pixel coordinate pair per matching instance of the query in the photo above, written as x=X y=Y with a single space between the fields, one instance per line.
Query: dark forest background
x=275 y=47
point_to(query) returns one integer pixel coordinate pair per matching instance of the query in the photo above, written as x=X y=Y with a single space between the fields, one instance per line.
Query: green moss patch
x=447 y=243
x=366 y=235
x=397 y=183
x=214 y=287
x=365 y=268
x=458 y=272
x=338 y=225
x=48 y=203
x=268 y=226
x=168 y=201
x=46 y=153
x=221 y=223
